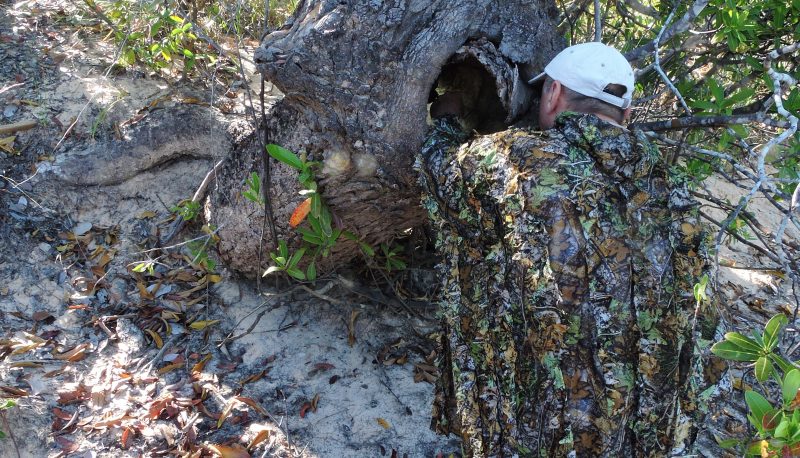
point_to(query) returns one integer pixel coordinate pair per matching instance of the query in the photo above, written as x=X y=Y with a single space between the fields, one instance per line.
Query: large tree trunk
x=357 y=77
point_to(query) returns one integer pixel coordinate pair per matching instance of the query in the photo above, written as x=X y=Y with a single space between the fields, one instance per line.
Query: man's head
x=587 y=78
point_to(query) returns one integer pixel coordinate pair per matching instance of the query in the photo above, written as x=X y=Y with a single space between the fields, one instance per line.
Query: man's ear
x=627 y=115
x=550 y=96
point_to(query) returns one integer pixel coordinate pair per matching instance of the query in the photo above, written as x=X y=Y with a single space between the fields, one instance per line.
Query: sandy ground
x=103 y=361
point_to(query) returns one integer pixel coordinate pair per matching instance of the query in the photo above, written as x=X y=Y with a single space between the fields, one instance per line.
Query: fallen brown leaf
x=384 y=424
x=225 y=412
x=13 y=391
x=255 y=377
x=252 y=403
x=65 y=444
x=76 y=354
x=260 y=437
x=229 y=451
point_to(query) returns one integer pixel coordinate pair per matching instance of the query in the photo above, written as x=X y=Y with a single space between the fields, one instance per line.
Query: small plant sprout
x=392 y=260
x=186 y=209
x=312 y=219
x=6 y=404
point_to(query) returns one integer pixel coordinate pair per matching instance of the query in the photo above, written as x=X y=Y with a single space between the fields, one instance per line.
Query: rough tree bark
x=357 y=77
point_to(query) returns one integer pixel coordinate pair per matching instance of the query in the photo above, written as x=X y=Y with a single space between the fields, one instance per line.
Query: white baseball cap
x=588 y=68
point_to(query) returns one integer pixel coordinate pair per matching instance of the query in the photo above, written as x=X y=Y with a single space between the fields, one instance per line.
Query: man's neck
x=609 y=120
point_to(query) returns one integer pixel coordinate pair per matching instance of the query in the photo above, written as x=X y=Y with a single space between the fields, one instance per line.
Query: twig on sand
x=179 y=222
x=168 y=344
x=18 y=126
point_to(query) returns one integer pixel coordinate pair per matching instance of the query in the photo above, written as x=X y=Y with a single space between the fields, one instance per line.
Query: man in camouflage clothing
x=568 y=261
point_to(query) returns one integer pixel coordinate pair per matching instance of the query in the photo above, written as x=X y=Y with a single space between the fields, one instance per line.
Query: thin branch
x=179 y=222
x=598 y=21
x=778 y=79
x=657 y=63
x=681 y=26
x=688 y=122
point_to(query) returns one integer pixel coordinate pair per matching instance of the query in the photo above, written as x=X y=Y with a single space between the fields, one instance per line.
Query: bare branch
x=598 y=22
x=711 y=121
x=681 y=26
x=657 y=63
x=641 y=8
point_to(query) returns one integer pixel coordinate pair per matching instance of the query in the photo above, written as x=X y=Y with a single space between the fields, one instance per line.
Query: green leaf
x=325 y=222
x=739 y=96
x=758 y=338
x=316 y=206
x=305 y=176
x=314 y=222
x=283 y=249
x=772 y=329
x=728 y=443
x=7 y=404
x=717 y=91
x=743 y=342
x=785 y=366
x=758 y=404
x=782 y=431
x=296 y=257
x=309 y=236
x=367 y=249
x=728 y=350
x=271 y=269
x=284 y=155
x=311 y=271
x=296 y=273
x=251 y=197
x=763 y=369
x=700 y=290
x=791 y=383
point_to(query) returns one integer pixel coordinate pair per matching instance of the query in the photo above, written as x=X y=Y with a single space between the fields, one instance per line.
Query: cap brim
x=538 y=78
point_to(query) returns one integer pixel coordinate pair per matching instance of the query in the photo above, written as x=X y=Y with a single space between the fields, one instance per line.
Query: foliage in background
x=185 y=37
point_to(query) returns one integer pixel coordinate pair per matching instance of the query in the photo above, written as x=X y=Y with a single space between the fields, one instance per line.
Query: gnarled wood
x=357 y=77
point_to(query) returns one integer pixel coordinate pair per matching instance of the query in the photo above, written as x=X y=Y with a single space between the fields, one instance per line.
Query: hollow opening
x=466 y=87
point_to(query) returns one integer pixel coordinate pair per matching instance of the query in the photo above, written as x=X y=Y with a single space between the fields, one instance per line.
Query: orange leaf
x=304 y=408
x=300 y=213
x=170 y=367
x=384 y=424
x=126 y=435
x=201 y=364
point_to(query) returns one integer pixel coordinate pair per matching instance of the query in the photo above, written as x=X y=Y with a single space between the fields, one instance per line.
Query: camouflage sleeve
x=440 y=175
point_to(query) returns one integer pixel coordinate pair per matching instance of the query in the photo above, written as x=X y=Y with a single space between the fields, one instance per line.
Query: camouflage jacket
x=568 y=260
